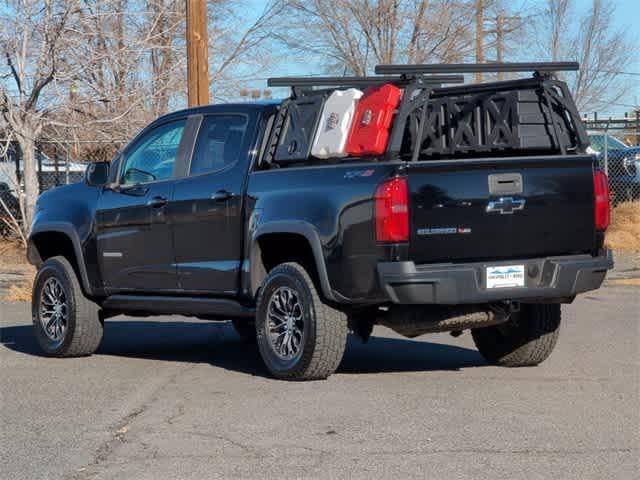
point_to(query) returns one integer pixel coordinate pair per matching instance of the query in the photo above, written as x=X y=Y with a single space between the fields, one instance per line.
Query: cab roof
x=224 y=108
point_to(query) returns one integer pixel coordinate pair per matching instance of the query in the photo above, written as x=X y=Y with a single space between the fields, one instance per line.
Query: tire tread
x=330 y=332
x=87 y=331
x=529 y=344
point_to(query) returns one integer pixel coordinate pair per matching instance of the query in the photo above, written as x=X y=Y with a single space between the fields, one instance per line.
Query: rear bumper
x=550 y=279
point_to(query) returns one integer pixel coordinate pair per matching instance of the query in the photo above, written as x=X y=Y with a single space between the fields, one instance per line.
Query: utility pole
x=500 y=42
x=503 y=26
x=479 y=36
x=197 y=53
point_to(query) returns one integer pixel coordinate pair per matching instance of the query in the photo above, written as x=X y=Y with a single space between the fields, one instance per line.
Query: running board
x=220 y=308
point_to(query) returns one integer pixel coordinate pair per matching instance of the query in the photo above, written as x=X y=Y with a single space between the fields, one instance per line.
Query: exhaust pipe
x=412 y=321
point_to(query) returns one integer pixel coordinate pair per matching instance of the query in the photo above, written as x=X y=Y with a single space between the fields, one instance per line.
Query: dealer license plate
x=505 y=276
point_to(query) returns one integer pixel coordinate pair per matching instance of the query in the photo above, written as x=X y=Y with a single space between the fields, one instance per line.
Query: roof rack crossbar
x=437 y=68
x=356 y=81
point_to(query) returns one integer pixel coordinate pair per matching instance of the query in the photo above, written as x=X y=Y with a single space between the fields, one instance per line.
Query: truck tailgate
x=490 y=209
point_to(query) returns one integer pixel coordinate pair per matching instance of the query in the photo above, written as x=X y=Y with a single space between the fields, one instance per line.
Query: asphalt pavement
x=177 y=398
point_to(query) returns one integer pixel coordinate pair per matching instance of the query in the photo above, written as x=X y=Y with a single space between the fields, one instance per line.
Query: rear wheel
x=66 y=323
x=525 y=340
x=300 y=337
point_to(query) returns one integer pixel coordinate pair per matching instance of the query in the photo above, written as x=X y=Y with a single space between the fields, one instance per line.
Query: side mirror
x=134 y=176
x=97 y=174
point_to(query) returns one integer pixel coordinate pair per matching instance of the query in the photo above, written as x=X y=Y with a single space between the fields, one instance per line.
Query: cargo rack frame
x=437 y=68
x=312 y=81
x=420 y=82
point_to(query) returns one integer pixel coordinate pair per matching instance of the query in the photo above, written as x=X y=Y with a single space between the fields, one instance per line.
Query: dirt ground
x=624 y=233
x=12 y=253
x=16 y=275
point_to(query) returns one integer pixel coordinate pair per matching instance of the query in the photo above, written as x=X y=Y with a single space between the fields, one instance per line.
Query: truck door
x=207 y=205
x=132 y=230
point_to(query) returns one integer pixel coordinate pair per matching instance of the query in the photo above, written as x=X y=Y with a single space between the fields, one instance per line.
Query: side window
x=115 y=166
x=597 y=142
x=154 y=155
x=219 y=143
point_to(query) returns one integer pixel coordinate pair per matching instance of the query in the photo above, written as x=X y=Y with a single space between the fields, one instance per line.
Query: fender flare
x=310 y=233
x=68 y=230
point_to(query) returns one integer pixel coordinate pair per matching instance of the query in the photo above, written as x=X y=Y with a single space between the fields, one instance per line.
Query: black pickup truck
x=221 y=212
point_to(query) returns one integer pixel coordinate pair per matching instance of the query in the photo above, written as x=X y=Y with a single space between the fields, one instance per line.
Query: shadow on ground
x=217 y=344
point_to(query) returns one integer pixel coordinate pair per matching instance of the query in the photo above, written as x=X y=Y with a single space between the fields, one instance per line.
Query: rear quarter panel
x=336 y=202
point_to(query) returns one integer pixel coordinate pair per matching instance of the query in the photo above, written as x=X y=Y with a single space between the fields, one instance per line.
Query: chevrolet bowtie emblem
x=506 y=205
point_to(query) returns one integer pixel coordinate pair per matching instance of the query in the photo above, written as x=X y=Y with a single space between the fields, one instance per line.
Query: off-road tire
x=526 y=340
x=325 y=328
x=83 y=327
x=246 y=330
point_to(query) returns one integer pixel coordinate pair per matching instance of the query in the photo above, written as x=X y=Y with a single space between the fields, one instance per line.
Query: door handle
x=221 y=196
x=157 y=202
x=505 y=184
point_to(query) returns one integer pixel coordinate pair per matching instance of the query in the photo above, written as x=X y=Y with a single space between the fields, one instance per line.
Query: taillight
x=392 y=211
x=602 y=201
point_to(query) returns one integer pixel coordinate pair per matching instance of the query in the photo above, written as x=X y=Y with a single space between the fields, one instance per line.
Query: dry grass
x=22 y=291
x=624 y=233
x=13 y=260
x=625 y=281
x=12 y=253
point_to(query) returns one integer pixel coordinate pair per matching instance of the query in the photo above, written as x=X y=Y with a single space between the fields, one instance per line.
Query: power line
x=623 y=104
x=614 y=72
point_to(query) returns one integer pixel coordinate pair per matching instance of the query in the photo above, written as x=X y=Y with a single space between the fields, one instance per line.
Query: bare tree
x=137 y=68
x=8 y=218
x=133 y=68
x=129 y=65
x=556 y=17
x=166 y=32
x=32 y=54
x=592 y=39
x=240 y=50
x=99 y=70
x=102 y=69
x=352 y=36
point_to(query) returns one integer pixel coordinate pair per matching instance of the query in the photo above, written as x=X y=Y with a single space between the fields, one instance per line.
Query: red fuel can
x=369 y=133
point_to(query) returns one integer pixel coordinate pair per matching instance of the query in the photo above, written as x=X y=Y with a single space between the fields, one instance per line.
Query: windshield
x=597 y=142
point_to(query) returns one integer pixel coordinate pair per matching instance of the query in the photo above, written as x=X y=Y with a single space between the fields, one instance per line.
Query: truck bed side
x=333 y=206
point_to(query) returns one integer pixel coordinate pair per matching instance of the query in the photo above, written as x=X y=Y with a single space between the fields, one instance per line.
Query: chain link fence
x=621 y=164
x=616 y=143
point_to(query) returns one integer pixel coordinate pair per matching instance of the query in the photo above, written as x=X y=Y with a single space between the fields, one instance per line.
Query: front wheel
x=527 y=339
x=299 y=336
x=66 y=323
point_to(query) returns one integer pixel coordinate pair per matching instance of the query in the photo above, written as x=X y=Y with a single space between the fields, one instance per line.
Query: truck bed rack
x=527 y=116
x=313 y=81
x=438 y=68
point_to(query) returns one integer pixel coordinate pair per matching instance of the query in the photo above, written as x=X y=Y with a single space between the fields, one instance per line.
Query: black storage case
x=518 y=117
x=295 y=128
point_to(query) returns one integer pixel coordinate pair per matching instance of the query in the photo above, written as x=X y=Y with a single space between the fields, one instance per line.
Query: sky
x=627 y=16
